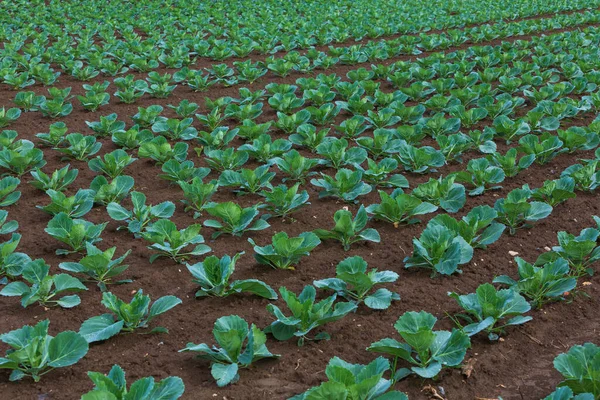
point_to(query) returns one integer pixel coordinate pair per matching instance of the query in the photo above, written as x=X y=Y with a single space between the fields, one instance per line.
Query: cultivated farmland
x=300 y=200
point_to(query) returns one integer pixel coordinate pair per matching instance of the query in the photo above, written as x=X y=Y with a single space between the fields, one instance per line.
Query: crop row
x=22 y=68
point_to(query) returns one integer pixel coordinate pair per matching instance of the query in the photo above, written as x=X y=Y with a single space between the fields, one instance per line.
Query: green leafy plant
x=399 y=208
x=9 y=116
x=213 y=276
x=132 y=138
x=8 y=194
x=170 y=242
x=487 y=307
x=306 y=135
x=478 y=228
x=113 y=164
x=99 y=266
x=586 y=177
x=337 y=154
x=75 y=206
x=480 y=175
x=197 y=194
x=285 y=252
x=378 y=174
x=283 y=201
x=45 y=289
x=75 y=233
x=296 y=166
x=146 y=117
x=264 y=148
x=516 y=211
x=349 y=230
x=114 y=191
x=33 y=352
x=231 y=332
x=22 y=160
x=7 y=227
x=108 y=125
x=579 y=251
x=114 y=387
x=443 y=192
x=354 y=283
x=184 y=171
x=93 y=100
x=11 y=262
x=247 y=180
x=175 y=129
x=228 y=159
x=235 y=219
x=556 y=191
x=159 y=150
x=566 y=393
x=540 y=284
x=440 y=249
x=544 y=147
x=141 y=214
x=126 y=317
x=579 y=368
x=347 y=185
x=59 y=180
x=55 y=136
x=419 y=160
x=428 y=351
x=576 y=138
x=80 y=147
x=218 y=138
x=306 y=315
x=354 y=381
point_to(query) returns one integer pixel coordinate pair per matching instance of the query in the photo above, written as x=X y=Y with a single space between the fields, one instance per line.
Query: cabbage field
x=305 y=200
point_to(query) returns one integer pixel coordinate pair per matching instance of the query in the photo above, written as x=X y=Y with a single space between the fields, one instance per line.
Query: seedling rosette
x=231 y=333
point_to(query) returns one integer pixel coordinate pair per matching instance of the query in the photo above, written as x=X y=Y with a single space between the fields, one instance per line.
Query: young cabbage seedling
x=354 y=283
x=141 y=215
x=440 y=249
x=349 y=381
x=283 y=201
x=488 y=306
x=399 y=208
x=99 y=266
x=306 y=315
x=33 y=352
x=114 y=387
x=45 y=289
x=231 y=332
x=580 y=251
x=170 y=242
x=478 y=228
x=427 y=350
x=285 y=252
x=126 y=317
x=7 y=227
x=235 y=219
x=541 y=284
x=347 y=185
x=59 y=180
x=213 y=275
x=348 y=230
x=442 y=192
x=8 y=194
x=76 y=233
x=11 y=262
x=579 y=368
x=516 y=211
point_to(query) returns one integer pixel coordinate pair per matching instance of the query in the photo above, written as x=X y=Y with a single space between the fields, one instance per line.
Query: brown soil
x=519 y=367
